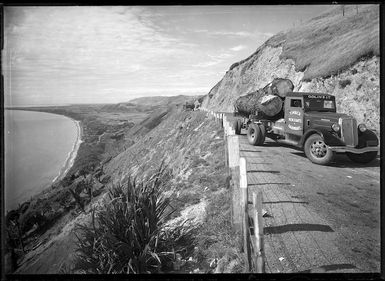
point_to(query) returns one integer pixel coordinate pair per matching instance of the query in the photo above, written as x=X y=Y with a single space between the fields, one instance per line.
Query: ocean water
x=37 y=147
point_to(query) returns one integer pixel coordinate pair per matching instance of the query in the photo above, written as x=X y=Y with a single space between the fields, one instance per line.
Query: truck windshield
x=322 y=103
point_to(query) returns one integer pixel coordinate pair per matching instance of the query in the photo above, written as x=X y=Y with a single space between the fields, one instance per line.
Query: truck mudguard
x=364 y=137
x=328 y=137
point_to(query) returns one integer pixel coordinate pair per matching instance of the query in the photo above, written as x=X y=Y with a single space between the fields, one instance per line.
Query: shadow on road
x=296 y=227
x=276 y=202
x=329 y=267
x=342 y=161
x=263 y=183
x=249 y=150
x=263 y=171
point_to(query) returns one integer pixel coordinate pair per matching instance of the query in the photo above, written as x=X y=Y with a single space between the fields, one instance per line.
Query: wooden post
x=244 y=208
x=231 y=130
x=233 y=148
x=259 y=258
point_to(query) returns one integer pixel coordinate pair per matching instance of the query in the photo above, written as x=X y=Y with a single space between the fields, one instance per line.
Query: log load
x=267 y=102
x=279 y=87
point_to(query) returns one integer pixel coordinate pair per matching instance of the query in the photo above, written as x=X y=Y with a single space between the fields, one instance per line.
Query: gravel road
x=345 y=195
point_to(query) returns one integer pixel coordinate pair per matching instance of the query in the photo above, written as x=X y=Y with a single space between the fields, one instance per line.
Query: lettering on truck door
x=294 y=117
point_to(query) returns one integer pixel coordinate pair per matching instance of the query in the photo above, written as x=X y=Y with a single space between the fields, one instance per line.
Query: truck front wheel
x=362 y=158
x=317 y=151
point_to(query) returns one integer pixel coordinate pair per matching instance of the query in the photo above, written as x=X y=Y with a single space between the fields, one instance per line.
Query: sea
x=39 y=148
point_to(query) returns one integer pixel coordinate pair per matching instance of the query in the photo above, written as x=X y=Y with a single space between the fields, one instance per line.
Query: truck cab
x=310 y=122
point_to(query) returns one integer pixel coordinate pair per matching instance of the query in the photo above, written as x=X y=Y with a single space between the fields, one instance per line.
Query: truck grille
x=349 y=133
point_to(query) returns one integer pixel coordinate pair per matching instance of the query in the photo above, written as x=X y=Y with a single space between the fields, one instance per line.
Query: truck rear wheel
x=362 y=158
x=263 y=134
x=254 y=134
x=317 y=151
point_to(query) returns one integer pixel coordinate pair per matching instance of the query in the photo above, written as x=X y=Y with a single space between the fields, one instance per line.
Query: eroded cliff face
x=357 y=88
x=260 y=69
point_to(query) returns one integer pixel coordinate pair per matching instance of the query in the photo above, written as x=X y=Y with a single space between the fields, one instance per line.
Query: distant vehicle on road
x=310 y=122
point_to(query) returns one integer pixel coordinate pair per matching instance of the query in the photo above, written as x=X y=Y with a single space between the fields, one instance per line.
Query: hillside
x=330 y=53
x=190 y=145
x=161 y=100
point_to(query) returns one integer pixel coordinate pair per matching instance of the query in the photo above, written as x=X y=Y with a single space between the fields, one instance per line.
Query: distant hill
x=163 y=100
x=331 y=53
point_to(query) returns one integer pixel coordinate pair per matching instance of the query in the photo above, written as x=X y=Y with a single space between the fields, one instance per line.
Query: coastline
x=68 y=162
x=72 y=154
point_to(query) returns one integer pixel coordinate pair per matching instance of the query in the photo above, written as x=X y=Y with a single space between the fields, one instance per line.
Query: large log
x=258 y=102
x=279 y=87
x=271 y=105
x=267 y=102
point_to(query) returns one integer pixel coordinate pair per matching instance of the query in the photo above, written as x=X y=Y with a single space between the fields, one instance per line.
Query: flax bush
x=129 y=235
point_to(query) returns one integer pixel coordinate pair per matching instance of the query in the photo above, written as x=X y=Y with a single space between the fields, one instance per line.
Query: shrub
x=129 y=234
x=344 y=83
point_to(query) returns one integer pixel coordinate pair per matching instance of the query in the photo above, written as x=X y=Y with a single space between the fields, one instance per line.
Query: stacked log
x=267 y=102
x=279 y=87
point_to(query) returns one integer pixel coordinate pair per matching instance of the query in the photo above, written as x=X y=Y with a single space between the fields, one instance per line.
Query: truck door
x=294 y=115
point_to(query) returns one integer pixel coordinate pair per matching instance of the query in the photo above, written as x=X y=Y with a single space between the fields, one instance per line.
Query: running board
x=289 y=142
x=354 y=150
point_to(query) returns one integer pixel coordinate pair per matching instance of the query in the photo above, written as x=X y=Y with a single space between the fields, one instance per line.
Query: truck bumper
x=354 y=150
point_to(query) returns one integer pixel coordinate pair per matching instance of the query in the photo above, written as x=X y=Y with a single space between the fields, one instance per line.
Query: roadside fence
x=248 y=222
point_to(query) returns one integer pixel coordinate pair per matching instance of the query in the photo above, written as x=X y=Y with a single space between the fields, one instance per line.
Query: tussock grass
x=331 y=42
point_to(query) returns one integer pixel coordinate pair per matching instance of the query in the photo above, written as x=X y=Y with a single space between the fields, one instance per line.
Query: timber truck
x=310 y=122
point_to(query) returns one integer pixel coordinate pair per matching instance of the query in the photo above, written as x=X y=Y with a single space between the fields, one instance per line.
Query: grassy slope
x=192 y=146
x=331 y=42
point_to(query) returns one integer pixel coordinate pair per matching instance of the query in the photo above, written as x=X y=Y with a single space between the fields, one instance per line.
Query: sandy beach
x=72 y=154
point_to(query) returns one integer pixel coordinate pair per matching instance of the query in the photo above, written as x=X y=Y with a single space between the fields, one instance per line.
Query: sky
x=111 y=54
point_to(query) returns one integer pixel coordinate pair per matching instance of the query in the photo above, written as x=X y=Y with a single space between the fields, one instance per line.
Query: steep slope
x=331 y=53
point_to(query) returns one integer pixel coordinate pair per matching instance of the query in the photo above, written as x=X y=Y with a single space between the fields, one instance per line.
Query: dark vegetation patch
x=344 y=83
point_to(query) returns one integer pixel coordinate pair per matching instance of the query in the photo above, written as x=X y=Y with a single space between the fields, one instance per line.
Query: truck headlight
x=336 y=128
x=362 y=128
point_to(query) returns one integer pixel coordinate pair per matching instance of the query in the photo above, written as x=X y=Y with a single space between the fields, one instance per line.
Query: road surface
x=324 y=218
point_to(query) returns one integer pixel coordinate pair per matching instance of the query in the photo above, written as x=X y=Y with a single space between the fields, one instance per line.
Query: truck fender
x=328 y=137
x=368 y=135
